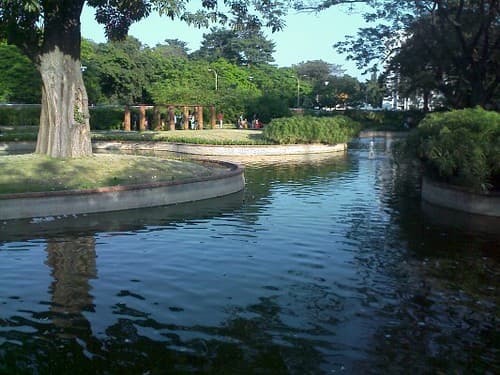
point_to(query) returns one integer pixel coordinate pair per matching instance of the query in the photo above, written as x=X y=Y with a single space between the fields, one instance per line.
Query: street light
x=216 y=78
x=298 y=88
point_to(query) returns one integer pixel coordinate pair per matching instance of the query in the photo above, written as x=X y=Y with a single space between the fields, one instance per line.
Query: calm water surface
x=322 y=266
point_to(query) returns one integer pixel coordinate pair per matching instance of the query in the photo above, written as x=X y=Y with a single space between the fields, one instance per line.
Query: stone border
x=196 y=149
x=115 y=198
x=460 y=199
x=221 y=150
x=23 y=146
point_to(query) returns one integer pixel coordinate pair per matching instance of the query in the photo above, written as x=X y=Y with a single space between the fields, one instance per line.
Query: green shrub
x=308 y=129
x=106 y=117
x=460 y=147
x=20 y=115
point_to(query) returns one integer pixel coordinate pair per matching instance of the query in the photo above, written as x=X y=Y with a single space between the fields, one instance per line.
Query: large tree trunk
x=64 y=120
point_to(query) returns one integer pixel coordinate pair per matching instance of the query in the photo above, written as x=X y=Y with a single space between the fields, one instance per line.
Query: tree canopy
x=245 y=47
x=449 y=45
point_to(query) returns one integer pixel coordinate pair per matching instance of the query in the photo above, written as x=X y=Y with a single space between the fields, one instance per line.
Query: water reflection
x=326 y=266
x=122 y=221
x=73 y=264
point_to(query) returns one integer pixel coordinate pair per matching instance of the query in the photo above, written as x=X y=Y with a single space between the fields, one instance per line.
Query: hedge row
x=308 y=129
x=101 y=118
x=20 y=115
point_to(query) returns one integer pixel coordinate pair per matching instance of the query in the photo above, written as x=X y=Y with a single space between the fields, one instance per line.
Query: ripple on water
x=319 y=267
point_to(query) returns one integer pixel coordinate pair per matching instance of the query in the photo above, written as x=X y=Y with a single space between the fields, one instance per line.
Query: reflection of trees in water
x=120 y=221
x=301 y=174
x=262 y=178
x=254 y=340
x=59 y=337
x=73 y=264
x=440 y=303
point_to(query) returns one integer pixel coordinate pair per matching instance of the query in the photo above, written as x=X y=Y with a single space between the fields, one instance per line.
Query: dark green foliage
x=20 y=115
x=106 y=117
x=308 y=129
x=268 y=106
x=386 y=120
x=101 y=118
x=448 y=45
x=460 y=147
x=239 y=47
x=20 y=82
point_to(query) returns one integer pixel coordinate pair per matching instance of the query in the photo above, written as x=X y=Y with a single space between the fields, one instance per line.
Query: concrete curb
x=115 y=198
x=460 y=199
x=17 y=146
x=196 y=149
x=222 y=150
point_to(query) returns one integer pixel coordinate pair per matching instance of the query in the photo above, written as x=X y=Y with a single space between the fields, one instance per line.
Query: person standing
x=220 y=119
x=192 y=121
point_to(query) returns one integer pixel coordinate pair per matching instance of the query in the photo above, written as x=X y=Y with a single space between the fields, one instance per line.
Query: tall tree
x=242 y=47
x=123 y=70
x=172 y=48
x=48 y=31
x=318 y=70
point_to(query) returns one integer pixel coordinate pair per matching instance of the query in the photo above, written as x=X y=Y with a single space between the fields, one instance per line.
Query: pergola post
x=185 y=124
x=212 y=117
x=126 y=119
x=156 y=118
x=199 y=113
x=142 y=118
x=171 y=117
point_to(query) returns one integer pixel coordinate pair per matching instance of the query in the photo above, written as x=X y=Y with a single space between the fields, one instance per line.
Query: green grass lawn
x=207 y=136
x=35 y=173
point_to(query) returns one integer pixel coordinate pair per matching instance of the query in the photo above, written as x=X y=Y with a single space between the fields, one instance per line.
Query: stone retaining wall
x=196 y=149
x=222 y=150
x=460 y=199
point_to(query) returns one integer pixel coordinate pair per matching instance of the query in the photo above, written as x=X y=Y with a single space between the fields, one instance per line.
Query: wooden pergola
x=195 y=109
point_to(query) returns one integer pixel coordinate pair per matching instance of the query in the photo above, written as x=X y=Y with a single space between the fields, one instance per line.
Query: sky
x=306 y=36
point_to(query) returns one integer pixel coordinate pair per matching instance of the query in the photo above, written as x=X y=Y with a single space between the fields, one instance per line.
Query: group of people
x=254 y=124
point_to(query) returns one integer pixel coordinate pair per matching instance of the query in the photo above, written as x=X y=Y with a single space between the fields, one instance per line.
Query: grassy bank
x=207 y=136
x=34 y=173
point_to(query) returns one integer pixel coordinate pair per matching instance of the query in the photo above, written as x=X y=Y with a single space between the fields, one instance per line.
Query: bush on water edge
x=460 y=147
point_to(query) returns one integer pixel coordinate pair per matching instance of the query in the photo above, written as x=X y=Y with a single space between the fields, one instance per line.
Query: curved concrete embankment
x=222 y=150
x=460 y=199
x=196 y=149
x=227 y=181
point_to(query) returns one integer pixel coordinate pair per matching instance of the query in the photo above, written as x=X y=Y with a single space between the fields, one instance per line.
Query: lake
x=322 y=265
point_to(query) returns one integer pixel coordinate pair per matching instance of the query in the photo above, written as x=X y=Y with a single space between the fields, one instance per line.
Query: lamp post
x=298 y=88
x=216 y=78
